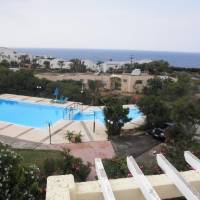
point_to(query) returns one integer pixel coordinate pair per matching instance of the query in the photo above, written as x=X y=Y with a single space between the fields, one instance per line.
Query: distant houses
x=11 y=55
x=29 y=61
x=53 y=63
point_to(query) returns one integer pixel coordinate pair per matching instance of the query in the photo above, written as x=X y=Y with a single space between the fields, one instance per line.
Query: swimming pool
x=38 y=115
x=134 y=113
x=30 y=114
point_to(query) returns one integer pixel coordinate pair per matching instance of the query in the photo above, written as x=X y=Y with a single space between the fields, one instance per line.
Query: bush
x=50 y=166
x=78 y=138
x=27 y=182
x=68 y=164
x=17 y=181
x=116 y=167
x=75 y=166
x=69 y=135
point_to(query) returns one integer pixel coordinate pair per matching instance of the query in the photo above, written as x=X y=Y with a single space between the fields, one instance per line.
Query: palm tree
x=47 y=64
x=99 y=64
x=61 y=63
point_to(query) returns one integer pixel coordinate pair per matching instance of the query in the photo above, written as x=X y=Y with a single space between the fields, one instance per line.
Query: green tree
x=154 y=86
x=115 y=116
x=157 y=111
x=78 y=66
x=5 y=63
x=186 y=114
x=94 y=89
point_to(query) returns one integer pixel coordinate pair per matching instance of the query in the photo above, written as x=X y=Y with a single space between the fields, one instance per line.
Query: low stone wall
x=64 y=187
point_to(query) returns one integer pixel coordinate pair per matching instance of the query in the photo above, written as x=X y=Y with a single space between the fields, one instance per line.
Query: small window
x=138 y=82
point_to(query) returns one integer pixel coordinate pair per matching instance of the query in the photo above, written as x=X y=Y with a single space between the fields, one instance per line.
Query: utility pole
x=131 y=58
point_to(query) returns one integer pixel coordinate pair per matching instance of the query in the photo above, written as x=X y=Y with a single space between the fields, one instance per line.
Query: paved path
x=134 y=145
x=23 y=144
x=87 y=131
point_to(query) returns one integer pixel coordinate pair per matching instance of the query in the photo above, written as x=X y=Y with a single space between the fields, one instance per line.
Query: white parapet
x=103 y=180
x=146 y=188
x=192 y=160
x=184 y=187
x=64 y=188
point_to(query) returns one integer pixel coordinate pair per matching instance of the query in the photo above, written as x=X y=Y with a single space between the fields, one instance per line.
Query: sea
x=176 y=59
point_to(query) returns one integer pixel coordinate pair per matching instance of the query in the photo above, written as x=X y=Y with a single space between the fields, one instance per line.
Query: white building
x=41 y=61
x=91 y=65
x=60 y=64
x=9 y=55
x=12 y=56
x=120 y=64
x=112 y=65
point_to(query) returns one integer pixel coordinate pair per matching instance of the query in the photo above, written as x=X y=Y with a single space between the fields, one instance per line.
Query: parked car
x=158 y=133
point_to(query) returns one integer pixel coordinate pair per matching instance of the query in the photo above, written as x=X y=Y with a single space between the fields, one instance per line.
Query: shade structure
x=103 y=180
x=183 y=186
x=146 y=188
x=192 y=160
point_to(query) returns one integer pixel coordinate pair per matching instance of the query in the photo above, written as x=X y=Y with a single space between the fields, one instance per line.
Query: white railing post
x=145 y=186
x=192 y=160
x=103 y=180
x=184 y=187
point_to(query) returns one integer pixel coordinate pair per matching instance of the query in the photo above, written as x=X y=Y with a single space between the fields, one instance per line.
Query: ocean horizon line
x=108 y=49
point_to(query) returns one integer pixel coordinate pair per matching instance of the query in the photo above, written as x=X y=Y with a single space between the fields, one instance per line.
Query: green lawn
x=37 y=157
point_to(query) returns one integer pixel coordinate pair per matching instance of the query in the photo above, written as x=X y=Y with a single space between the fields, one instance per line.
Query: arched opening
x=116 y=83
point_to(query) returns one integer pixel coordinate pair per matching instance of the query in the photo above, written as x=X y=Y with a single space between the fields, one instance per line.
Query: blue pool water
x=29 y=114
x=38 y=115
x=134 y=113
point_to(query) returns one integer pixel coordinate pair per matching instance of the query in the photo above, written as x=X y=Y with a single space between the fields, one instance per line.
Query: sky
x=159 y=25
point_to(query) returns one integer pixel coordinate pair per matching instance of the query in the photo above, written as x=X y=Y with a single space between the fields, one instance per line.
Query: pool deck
x=40 y=136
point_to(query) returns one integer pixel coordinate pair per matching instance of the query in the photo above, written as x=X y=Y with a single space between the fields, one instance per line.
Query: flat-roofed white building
x=60 y=64
x=111 y=65
x=90 y=65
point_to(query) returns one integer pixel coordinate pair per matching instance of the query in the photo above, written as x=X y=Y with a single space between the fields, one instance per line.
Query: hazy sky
x=172 y=25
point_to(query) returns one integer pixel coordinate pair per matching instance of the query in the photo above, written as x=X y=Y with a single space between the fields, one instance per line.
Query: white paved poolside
x=59 y=129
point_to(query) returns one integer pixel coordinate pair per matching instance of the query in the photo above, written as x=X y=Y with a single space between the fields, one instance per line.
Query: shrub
x=69 y=135
x=51 y=166
x=75 y=166
x=67 y=165
x=17 y=181
x=72 y=137
x=116 y=167
x=78 y=138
